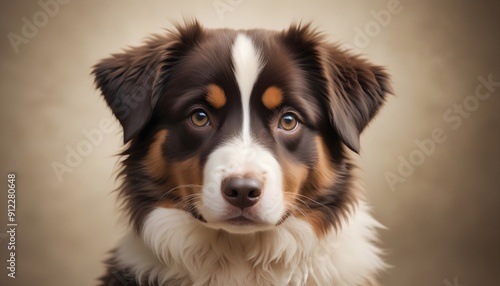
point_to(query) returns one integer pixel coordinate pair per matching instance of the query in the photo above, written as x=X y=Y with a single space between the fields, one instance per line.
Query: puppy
x=237 y=166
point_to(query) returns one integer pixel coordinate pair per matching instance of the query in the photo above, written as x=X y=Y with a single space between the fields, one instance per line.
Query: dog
x=238 y=163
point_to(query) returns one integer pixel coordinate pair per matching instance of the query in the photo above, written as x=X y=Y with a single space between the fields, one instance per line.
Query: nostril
x=233 y=193
x=254 y=194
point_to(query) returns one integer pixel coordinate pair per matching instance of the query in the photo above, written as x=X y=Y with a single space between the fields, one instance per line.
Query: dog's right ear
x=129 y=81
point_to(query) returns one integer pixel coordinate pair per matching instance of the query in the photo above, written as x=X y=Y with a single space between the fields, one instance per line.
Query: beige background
x=443 y=221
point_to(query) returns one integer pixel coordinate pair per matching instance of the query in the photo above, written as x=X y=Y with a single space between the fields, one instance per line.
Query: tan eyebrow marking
x=216 y=96
x=272 y=97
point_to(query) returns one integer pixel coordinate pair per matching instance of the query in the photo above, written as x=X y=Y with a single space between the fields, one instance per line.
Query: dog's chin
x=240 y=225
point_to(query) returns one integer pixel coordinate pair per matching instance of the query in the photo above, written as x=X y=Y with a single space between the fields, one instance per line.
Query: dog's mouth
x=238 y=220
x=244 y=220
x=241 y=221
x=241 y=218
x=235 y=220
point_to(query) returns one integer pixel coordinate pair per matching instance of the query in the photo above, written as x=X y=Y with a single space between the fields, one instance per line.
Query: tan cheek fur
x=321 y=176
x=324 y=173
x=155 y=164
x=187 y=176
x=175 y=173
x=294 y=175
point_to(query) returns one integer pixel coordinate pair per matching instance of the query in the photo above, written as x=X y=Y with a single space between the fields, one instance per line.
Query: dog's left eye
x=200 y=118
x=288 y=122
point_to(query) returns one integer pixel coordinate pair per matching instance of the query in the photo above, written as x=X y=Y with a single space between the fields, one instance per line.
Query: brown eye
x=200 y=118
x=288 y=122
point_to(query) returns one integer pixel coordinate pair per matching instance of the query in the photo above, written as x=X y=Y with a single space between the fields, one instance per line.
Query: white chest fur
x=176 y=249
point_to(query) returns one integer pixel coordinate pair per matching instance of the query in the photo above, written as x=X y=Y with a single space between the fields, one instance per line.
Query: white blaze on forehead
x=247 y=65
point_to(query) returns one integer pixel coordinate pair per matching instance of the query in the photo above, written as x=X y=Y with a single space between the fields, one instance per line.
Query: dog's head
x=241 y=128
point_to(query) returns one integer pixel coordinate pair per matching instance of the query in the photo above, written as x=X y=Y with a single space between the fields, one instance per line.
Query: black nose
x=241 y=192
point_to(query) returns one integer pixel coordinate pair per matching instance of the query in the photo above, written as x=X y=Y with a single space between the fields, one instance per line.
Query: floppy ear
x=129 y=81
x=356 y=91
x=352 y=88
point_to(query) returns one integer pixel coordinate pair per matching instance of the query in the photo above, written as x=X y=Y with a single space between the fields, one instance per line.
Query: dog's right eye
x=200 y=118
x=288 y=122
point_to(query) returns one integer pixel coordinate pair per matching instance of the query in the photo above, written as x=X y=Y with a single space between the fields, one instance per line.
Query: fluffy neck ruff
x=176 y=249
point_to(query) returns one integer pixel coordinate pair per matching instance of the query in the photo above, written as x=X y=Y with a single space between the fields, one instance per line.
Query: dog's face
x=241 y=129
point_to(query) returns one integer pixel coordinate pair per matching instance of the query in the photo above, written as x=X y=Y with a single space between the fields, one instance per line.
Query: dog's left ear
x=131 y=82
x=356 y=89
x=352 y=89
x=126 y=81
